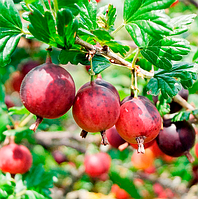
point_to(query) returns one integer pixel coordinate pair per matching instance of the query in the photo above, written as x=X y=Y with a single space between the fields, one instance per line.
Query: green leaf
x=164 y=80
x=162 y=105
x=181 y=116
x=71 y=5
x=100 y=63
x=180 y=23
x=168 y=86
x=10 y=30
x=102 y=35
x=2 y=93
x=21 y=131
x=195 y=57
x=38 y=178
x=30 y=1
x=44 y=28
x=124 y=181
x=88 y=14
x=118 y=47
x=144 y=19
x=18 y=110
x=64 y=17
x=31 y=194
x=106 y=17
x=161 y=52
x=73 y=56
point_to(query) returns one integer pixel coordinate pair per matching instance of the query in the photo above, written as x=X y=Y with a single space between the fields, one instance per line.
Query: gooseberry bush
x=123 y=77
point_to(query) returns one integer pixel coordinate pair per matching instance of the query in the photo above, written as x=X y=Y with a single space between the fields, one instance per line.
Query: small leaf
x=181 y=116
x=180 y=23
x=163 y=106
x=100 y=63
x=106 y=17
x=2 y=93
x=71 y=5
x=10 y=30
x=118 y=47
x=74 y=56
x=31 y=194
x=164 y=80
x=161 y=52
x=30 y=1
x=88 y=13
x=18 y=110
x=168 y=86
x=38 y=177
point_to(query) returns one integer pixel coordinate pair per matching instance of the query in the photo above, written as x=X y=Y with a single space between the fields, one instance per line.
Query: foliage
x=160 y=61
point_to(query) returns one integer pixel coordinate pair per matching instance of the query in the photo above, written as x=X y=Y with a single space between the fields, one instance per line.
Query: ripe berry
x=15 y=80
x=95 y=109
x=139 y=121
x=119 y=192
x=176 y=139
x=28 y=66
x=143 y=161
x=101 y=82
x=113 y=137
x=59 y=157
x=48 y=91
x=196 y=150
x=15 y=159
x=97 y=164
x=174 y=106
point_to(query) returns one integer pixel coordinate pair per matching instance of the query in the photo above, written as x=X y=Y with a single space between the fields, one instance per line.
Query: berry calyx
x=15 y=159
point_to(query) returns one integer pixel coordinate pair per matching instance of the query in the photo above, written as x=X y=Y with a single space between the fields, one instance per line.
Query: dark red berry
x=28 y=66
x=59 y=157
x=95 y=108
x=15 y=159
x=48 y=91
x=16 y=80
x=113 y=137
x=97 y=164
x=8 y=101
x=101 y=82
x=176 y=139
x=139 y=121
x=174 y=106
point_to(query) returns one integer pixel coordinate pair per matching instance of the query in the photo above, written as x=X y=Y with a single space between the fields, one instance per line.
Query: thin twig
x=114 y=58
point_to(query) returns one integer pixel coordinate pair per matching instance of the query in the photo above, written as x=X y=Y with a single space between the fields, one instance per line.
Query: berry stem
x=134 y=74
x=48 y=58
x=83 y=134
x=104 y=138
x=189 y=156
x=35 y=125
x=140 y=142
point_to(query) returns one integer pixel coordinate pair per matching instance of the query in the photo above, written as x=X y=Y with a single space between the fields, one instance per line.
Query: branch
x=52 y=139
x=114 y=58
x=181 y=101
